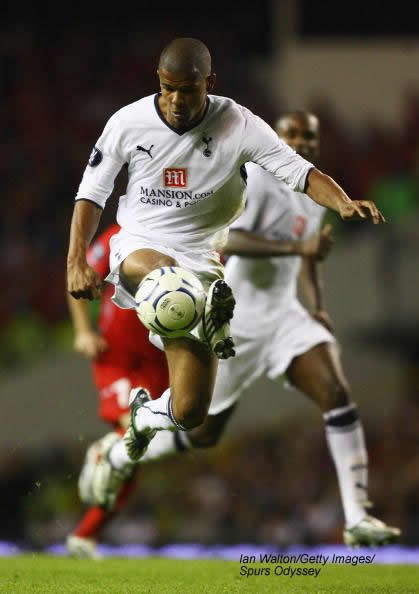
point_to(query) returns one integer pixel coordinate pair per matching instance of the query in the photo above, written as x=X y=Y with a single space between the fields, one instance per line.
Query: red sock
x=92 y=521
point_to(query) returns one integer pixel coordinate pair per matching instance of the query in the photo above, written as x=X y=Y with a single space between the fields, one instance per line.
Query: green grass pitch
x=44 y=574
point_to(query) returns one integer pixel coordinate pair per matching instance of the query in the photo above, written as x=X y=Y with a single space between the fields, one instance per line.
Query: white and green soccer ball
x=170 y=301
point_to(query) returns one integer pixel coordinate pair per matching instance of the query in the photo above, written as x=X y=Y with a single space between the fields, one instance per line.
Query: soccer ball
x=170 y=301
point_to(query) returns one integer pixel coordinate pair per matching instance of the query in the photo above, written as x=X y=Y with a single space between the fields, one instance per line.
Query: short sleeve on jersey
x=104 y=164
x=264 y=147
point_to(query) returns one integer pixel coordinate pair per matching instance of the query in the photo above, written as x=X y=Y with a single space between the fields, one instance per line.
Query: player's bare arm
x=87 y=341
x=312 y=288
x=301 y=131
x=323 y=189
x=318 y=245
x=254 y=245
x=310 y=278
x=82 y=280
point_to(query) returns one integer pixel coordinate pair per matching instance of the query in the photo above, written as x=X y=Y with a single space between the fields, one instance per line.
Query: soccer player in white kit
x=265 y=245
x=286 y=338
x=184 y=150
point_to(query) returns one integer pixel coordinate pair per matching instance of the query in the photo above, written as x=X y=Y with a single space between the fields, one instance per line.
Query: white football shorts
x=265 y=355
x=206 y=265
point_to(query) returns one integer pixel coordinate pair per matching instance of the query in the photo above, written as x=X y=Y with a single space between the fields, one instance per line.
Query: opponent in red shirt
x=122 y=358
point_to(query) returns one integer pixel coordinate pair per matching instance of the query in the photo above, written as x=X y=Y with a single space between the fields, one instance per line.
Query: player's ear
x=211 y=82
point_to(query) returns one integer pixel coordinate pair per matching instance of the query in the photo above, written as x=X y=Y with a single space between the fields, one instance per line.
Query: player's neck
x=162 y=112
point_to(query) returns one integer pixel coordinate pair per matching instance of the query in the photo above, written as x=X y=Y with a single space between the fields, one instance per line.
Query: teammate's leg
x=318 y=373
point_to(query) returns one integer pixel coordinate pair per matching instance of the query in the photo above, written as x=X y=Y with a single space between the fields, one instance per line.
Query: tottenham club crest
x=95 y=157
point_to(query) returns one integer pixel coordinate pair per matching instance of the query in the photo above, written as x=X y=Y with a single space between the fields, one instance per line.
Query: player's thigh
x=318 y=373
x=139 y=263
x=192 y=371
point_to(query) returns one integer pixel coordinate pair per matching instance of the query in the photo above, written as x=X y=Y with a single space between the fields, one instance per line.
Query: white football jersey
x=263 y=287
x=185 y=188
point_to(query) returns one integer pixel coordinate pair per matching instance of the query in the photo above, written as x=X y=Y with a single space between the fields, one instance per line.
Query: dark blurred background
x=65 y=70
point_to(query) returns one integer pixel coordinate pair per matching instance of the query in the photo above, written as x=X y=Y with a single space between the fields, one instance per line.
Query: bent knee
x=190 y=415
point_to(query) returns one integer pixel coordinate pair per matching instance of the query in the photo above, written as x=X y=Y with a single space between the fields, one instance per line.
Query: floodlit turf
x=54 y=575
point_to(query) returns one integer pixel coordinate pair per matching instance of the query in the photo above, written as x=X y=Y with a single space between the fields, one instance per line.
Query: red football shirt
x=131 y=360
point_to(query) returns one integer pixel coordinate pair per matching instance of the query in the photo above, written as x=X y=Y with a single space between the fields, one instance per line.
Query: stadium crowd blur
x=59 y=90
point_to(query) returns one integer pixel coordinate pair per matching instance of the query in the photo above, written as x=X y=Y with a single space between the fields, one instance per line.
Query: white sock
x=156 y=414
x=346 y=441
x=166 y=443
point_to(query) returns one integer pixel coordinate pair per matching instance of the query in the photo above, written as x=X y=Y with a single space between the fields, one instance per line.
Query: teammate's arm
x=86 y=340
x=82 y=280
x=311 y=283
x=250 y=244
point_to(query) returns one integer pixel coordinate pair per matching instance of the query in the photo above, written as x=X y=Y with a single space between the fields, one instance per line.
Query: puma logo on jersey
x=148 y=151
x=175 y=177
x=207 y=151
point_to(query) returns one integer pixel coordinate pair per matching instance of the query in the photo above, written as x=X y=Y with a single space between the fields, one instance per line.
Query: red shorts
x=114 y=385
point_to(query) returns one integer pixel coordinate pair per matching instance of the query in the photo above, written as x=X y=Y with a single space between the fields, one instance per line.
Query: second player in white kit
x=270 y=327
x=274 y=334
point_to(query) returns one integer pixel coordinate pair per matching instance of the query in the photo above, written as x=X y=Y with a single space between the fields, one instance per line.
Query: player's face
x=183 y=96
x=301 y=133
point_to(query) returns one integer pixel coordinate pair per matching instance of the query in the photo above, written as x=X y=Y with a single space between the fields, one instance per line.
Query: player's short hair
x=297 y=113
x=186 y=54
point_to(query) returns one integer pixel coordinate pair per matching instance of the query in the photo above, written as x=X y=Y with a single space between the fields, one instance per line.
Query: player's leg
x=114 y=385
x=81 y=543
x=207 y=435
x=318 y=374
x=192 y=370
x=113 y=388
x=233 y=377
x=192 y=367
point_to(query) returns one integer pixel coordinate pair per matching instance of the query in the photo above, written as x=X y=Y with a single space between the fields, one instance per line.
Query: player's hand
x=90 y=344
x=323 y=318
x=361 y=209
x=83 y=282
x=318 y=245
